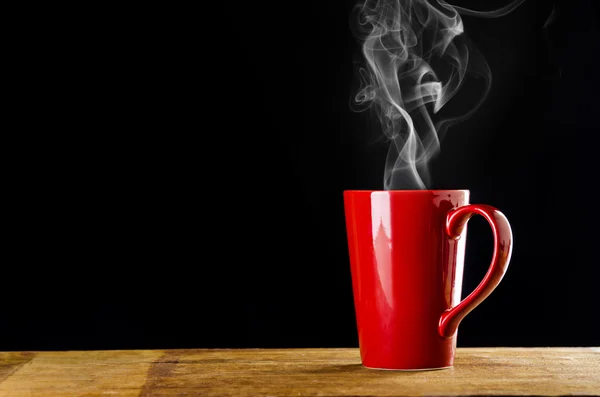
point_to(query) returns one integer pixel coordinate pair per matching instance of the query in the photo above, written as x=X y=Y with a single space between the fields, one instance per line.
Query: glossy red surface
x=406 y=254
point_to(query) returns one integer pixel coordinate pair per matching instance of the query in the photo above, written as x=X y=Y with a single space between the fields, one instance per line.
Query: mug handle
x=456 y=220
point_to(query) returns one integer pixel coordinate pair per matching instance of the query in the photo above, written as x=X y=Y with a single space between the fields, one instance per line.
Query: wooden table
x=294 y=372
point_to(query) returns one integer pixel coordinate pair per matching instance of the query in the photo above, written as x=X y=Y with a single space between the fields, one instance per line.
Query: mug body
x=405 y=273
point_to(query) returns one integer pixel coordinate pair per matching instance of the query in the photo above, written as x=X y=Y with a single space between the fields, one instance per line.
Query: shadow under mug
x=407 y=251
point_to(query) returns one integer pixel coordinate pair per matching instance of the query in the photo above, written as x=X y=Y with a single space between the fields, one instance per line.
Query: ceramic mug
x=407 y=251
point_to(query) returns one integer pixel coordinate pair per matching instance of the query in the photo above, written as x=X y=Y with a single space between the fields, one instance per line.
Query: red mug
x=407 y=251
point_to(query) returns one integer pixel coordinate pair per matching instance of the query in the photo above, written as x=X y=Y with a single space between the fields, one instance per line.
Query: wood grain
x=118 y=373
x=295 y=372
x=13 y=361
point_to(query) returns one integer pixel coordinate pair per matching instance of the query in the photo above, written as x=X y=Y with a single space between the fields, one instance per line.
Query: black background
x=183 y=185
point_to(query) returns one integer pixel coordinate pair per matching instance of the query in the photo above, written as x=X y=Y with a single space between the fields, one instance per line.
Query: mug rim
x=407 y=191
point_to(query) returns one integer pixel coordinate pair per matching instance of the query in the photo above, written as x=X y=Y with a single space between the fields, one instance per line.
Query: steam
x=417 y=58
x=555 y=71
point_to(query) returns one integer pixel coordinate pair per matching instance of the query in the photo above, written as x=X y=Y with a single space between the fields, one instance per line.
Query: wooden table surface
x=294 y=372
